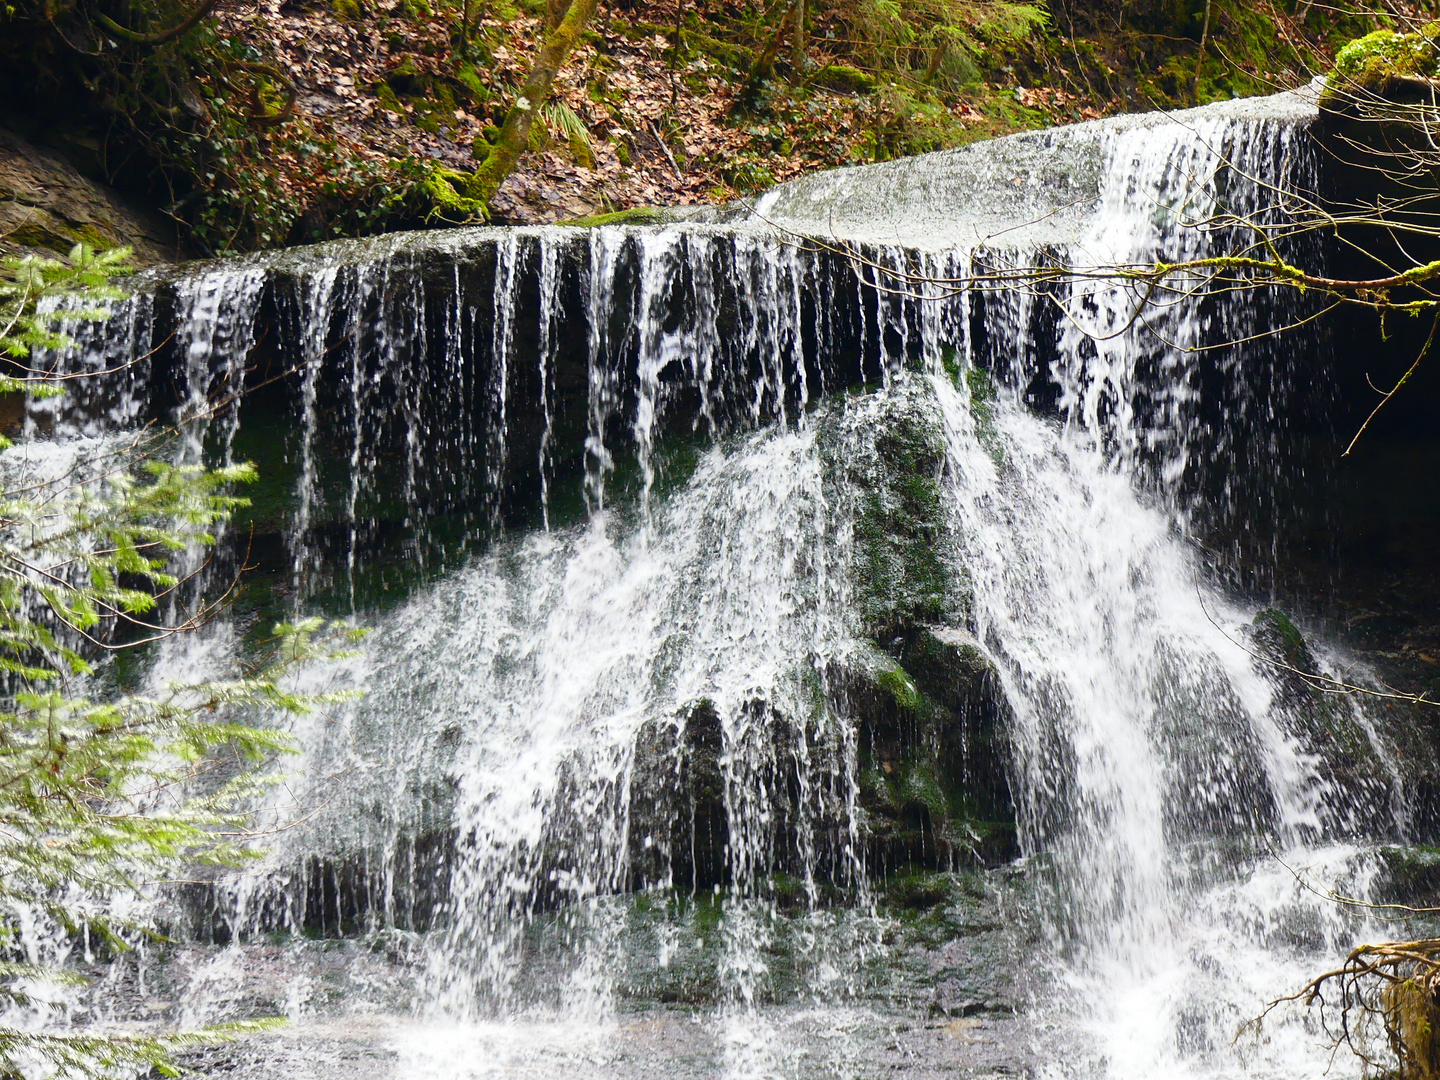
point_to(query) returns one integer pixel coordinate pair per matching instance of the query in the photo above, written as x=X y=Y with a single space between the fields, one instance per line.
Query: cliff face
x=46 y=205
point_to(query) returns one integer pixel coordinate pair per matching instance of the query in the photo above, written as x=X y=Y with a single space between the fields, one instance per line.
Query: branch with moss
x=472 y=194
x=159 y=37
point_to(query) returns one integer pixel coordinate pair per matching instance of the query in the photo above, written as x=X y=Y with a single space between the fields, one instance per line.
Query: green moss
x=983 y=392
x=950 y=362
x=1370 y=63
x=1411 y=875
x=982 y=387
x=844 y=79
x=900 y=686
x=735 y=57
x=917 y=889
x=388 y=99
x=639 y=215
x=914 y=120
x=1386 y=52
x=444 y=189
x=468 y=77
x=748 y=176
x=1275 y=629
x=922 y=785
x=901 y=533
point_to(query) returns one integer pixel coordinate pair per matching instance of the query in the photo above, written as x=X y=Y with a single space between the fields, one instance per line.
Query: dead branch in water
x=1382 y=1004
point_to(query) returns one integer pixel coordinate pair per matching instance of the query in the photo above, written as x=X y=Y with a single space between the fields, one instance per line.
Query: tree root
x=260 y=117
x=134 y=37
x=445 y=190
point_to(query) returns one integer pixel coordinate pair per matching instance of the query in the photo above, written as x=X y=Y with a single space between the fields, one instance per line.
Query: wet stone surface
x=932 y=993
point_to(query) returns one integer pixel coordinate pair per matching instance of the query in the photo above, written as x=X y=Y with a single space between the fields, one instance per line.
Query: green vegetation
x=109 y=789
x=1385 y=53
x=640 y=215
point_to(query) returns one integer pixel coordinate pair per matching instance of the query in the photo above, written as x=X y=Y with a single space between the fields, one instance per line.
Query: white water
x=1158 y=766
x=535 y=703
x=1155 y=762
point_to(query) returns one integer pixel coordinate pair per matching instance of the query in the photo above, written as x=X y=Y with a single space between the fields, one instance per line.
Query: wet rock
x=1280 y=639
x=636 y=215
x=955 y=942
x=47 y=206
x=929 y=708
x=933 y=783
x=679 y=829
x=688 y=770
x=1325 y=719
x=890 y=450
x=1410 y=876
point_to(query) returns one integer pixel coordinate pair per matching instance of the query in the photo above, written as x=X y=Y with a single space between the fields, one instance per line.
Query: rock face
x=933 y=776
x=926 y=699
x=47 y=206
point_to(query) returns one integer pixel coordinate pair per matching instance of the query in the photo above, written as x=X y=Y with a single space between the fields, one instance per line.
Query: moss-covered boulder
x=921 y=696
x=1379 y=61
x=1378 y=111
x=889 y=449
x=925 y=698
x=1329 y=721
x=1281 y=641
x=844 y=79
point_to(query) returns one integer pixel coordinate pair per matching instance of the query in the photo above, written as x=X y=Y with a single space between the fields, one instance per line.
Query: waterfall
x=725 y=574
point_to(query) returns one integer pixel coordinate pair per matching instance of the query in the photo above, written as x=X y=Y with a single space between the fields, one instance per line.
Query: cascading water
x=684 y=656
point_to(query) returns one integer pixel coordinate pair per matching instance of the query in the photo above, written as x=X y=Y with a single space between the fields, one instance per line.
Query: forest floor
x=281 y=122
x=668 y=111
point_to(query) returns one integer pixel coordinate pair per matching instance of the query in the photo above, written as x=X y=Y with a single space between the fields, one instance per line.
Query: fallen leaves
x=661 y=121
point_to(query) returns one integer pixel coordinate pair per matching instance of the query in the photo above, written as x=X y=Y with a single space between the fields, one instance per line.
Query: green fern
x=563 y=122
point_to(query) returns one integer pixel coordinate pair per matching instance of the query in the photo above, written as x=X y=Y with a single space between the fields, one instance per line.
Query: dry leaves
x=630 y=94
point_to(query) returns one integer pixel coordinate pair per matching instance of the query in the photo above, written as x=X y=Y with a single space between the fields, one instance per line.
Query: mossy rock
x=1327 y=724
x=1378 y=104
x=735 y=57
x=1410 y=875
x=638 y=215
x=1371 y=93
x=844 y=79
x=1376 y=59
x=950 y=663
x=46 y=206
x=892 y=450
x=1281 y=640
x=933 y=785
